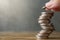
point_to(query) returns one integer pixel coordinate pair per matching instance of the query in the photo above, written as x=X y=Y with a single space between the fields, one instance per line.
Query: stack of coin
x=46 y=25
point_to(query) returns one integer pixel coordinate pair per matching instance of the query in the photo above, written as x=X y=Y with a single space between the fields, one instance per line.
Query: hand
x=53 y=5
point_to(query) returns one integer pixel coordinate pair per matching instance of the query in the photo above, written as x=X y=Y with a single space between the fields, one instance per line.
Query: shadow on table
x=54 y=37
x=50 y=38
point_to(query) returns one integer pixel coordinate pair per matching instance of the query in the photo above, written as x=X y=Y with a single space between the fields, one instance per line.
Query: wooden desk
x=26 y=36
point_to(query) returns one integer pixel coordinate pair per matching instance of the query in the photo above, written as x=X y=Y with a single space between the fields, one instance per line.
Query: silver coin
x=44 y=17
x=42 y=24
x=41 y=37
x=45 y=24
x=43 y=34
x=44 y=21
x=45 y=31
x=46 y=14
x=47 y=27
x=38 y=37
x=50 y=16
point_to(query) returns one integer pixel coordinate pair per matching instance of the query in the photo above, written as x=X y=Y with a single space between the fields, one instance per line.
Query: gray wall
x=22 y=15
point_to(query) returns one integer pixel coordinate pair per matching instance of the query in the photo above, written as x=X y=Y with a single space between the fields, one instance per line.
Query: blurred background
x=22 y=15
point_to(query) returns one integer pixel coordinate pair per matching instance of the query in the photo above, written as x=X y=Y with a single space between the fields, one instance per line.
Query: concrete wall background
x=22 y=15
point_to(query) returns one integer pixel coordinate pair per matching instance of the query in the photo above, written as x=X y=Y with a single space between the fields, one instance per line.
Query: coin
x=45 y=31
x=44 y=21
x=47 y=27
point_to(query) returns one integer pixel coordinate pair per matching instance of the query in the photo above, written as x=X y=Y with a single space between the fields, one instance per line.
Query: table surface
x=26 y=36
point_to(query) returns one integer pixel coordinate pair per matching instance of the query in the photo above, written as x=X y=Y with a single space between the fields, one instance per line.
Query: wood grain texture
x=26 y=36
